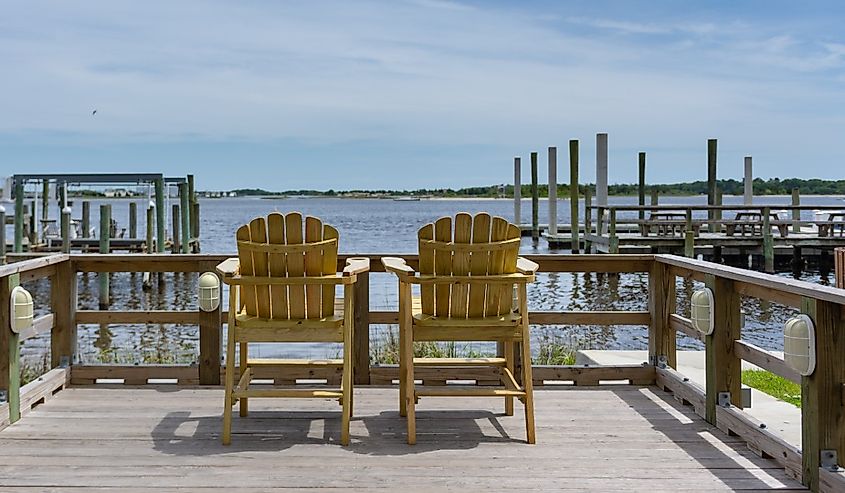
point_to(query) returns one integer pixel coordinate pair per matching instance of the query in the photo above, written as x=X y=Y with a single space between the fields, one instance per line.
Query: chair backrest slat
x=278 y=265
x=276 y=247
x=313 y=266
x=480 y=246
x=478 y=264
x=460 y=264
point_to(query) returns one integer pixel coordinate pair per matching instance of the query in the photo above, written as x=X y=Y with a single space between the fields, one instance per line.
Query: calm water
x=384 y=226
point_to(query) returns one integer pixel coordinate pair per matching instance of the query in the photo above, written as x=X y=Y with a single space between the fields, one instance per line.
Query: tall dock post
x=185 y=217
x=18 y=247
x=32 y=230
x=160 y=232
x=796 y=212
x=601 y=170
x=45 y=201
x=133 y=220
x=573 y=195
x=641 y=185
x=65 y=229
x=535 y=201
x=2 y=235
x=748 y=191
x=838 y=265
x=174 y=224
x=711 y=180
x=517 y=191
x=552 y=191
x=105 y=227
x=195 y=226
x=768 y=242
x=654 y=196
x=86 y=218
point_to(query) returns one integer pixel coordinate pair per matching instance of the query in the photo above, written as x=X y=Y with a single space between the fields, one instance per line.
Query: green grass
x=775 y=386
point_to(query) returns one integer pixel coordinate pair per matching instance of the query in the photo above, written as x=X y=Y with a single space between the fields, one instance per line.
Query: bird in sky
x=93 y=112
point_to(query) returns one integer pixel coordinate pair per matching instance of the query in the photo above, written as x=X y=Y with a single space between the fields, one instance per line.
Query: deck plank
x=602 y=439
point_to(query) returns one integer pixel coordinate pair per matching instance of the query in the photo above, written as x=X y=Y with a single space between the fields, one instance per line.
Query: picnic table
x=752 y=223
x=668 y=224
x=835 y=222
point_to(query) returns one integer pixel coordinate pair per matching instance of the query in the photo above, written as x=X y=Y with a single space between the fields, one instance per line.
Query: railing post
x=723 y=367
x=822 y=424
x=211 y=335
x=133 y=219
x=86 y=218
x=63 y=300
x=10 y=382
x=159 y=201
x=614 y=240
x=175 y=224
x=2 y=235
x=185 y=217
x=796 y=213
x=661 y=304
x=361 y=334
x=65 y=229
x=105 y=228
x=573 y=195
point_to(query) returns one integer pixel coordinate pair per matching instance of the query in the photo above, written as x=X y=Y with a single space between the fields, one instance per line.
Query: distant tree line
x=773 y=186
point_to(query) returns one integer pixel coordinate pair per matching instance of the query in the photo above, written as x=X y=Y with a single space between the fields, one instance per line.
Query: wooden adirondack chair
x=466 y=283
x=282 y=289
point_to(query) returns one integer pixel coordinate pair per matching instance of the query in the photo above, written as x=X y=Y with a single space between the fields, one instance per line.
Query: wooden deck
x=609 y=438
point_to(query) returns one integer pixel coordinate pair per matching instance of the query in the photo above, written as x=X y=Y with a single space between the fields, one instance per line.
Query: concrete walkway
x=780 y=417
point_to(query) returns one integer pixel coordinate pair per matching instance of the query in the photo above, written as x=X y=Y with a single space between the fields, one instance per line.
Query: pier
x=600 y=428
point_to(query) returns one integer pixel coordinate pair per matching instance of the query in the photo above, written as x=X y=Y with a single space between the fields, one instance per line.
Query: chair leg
x=230 y=383
x=527 y=373
x=346 y=384
x=406 y=360
x=244 y=356
x=403 y=409
x=508 y=353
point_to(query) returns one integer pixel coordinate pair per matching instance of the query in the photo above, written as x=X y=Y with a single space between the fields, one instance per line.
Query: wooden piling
x=517 y=191
x=654 y=196
x=105 y=227
x=689 y=236
x=175 y=223
x=190 y=209
x=2 y=235
x=65 y=230
x=717 y=214
x=711 y=179
x=613 y=243
x=588 y=218
x=150 y=226
x=552 y=191
x=160 y=227
x=86 y=218
x=796 y=213
x=748 y=182
x=535 y=201
x=768 y=242
x=573 y=195
x=19 y=226
x=45 y=201
x=839 y=266
x=195 y=226
x=184 y=199
x=32 y=230
x=641 y=187
x=601 y=170
x=133 y=219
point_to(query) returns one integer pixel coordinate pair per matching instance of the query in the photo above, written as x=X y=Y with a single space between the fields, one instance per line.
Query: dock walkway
x=608 y=438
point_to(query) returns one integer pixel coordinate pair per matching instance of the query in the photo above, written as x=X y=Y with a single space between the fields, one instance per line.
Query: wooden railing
x=719 y=402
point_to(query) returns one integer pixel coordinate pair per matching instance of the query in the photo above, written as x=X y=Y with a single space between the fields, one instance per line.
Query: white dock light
x=799 y=344
x=209 y=292
x=701 y=310
x=20 y=306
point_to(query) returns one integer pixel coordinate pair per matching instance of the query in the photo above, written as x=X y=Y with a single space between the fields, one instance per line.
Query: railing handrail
x=723 y=207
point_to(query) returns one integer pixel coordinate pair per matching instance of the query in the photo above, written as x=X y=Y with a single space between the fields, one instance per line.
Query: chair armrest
x=525 y=266
x=397 y=266
x=229 y=268
x=356 y=265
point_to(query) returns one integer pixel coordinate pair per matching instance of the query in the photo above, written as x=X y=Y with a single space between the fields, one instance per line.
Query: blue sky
x=419 y=93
